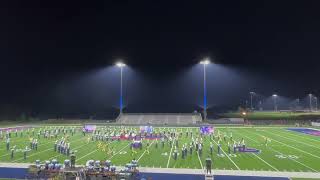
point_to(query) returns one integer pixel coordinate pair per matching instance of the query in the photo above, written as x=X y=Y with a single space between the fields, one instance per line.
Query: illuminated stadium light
x=120 y=64
x=275 y=102
x=205 y=61
x=310 y=101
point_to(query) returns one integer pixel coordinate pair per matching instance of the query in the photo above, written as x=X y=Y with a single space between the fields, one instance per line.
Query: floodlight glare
x=274 y=95
x=120 y=64
x=205 y=61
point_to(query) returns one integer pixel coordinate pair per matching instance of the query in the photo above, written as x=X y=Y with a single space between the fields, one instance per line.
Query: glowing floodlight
x=205 y=61
x=120 y=64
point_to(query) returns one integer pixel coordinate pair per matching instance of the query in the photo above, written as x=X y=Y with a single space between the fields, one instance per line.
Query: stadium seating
x=160 y=119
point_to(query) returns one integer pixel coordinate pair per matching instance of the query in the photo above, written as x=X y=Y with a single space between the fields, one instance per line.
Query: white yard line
x=295 y=141
x=32 y=154
x=297 y=149
x=144 y=152
x=265 y=162
x=92 y=152
x=257 y=155
x=13 y=142
x=294 y=160
x=227 y=156
x=40 y=152
x=87 y=154
x=72 y=150
x=120 y=150
x=293 y=133
x=200 y=160
x=28 y=146
x=289 y=158
x=5 y=155
x=170 y=154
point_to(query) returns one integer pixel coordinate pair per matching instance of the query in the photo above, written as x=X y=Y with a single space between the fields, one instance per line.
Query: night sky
x=57 y=58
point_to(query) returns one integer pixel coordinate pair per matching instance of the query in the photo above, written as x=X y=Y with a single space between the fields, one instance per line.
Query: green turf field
x=271 y=115
x=287 y=150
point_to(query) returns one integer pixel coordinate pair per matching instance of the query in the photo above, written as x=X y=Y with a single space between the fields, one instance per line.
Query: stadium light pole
x=316 y=103
x=297 y=103
x=275 y=102
x=310 y=102
x=251 y=97
x=204 y=62
x=121 y=65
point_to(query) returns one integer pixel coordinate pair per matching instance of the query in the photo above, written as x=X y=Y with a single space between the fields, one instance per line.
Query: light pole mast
x=275 y=102
x=251 y=97
x=310 y=102
x=316 y=99
x=121 y=100
x=205 y=62
x=121 y=65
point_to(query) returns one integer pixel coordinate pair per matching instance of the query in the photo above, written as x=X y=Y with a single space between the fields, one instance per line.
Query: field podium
x=208 y=176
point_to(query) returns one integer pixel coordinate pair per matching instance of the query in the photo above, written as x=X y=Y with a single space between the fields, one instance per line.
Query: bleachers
x=160 y=118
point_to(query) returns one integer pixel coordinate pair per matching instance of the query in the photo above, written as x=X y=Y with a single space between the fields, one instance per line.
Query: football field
x=279 y=149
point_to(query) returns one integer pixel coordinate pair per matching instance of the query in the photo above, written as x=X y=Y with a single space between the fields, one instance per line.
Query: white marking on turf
x=170 y=154
x=92 y=152
x=28 y=146
x=32 y=154
x=88 y=154
x=257 y=155
x=295 y=160
x=144 y=152
x=289 y=158
x=41 y=152
x=120 y=150
x=291 y=146
x=72 y=150
x=200 y=160
x=304 y=137
x=227 y=156
x=296 y=141
x=297 y=149
x=265 y=162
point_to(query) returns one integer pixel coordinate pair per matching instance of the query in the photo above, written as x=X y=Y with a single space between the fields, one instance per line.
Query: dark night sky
x=49 y=50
